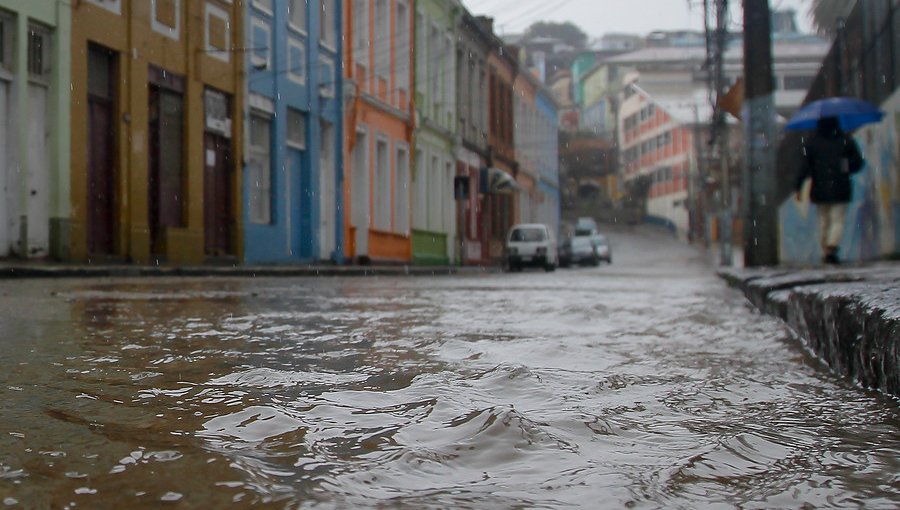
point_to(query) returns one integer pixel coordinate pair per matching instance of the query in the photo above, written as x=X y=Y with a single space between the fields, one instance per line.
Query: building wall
x=35 y=201
x=379 y=120
x=547 y=160
x=137 y=38
x=471 y=155
x=295 y=82
x=526 y=145
x=872 y=224
x=654 y=144
x=434 y=211
x=500 y=208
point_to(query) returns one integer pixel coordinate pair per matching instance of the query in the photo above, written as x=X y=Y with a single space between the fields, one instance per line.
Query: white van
x=533 y=245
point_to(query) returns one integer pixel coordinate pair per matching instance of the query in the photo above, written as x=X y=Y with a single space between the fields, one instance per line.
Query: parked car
x=579 y=250
x=531 y=245
x=602 y=247
x=585 y=226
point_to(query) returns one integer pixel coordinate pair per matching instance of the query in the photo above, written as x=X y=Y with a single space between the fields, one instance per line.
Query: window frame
x=291 y=7
x=260 y=197
x=210 y=11
x=173 y=33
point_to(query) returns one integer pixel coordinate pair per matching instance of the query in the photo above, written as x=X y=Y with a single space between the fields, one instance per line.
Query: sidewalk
x=10 y=269
x=848 y=315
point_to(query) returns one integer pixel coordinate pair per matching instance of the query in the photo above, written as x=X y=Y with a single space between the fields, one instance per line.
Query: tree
x=567 y=32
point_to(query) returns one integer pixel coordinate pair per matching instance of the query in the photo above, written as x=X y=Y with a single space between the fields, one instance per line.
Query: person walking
x=830 y=156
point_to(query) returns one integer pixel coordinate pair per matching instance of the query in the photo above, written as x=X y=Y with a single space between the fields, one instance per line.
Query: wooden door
x=101 y=142
x=166 y=161
x=217 y=185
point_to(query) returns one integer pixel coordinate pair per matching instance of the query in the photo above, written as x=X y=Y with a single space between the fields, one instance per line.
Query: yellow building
x=156 y=139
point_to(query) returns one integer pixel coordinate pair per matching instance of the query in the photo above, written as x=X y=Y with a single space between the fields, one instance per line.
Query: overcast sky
x=597 y=17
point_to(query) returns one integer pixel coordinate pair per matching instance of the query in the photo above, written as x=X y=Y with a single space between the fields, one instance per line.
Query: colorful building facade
x=500 y=207
x=34 y=136
x=156 y=130
x=473 y=45
x=293 y=176
x=378 y=70
x=546 y=143
x=657 y=143
x=433 y=207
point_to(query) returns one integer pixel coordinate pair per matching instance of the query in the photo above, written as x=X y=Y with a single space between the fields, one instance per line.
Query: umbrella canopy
x=850 y=112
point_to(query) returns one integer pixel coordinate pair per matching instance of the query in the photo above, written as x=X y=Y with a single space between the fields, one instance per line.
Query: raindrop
x=85 y=490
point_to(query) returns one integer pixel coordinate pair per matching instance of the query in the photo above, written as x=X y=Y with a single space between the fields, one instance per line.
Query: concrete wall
x=872 y=225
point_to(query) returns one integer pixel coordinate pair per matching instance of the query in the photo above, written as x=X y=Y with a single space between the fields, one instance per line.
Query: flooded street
x=644 y=384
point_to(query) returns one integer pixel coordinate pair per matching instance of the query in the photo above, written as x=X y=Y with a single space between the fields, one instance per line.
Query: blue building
x=548 y=158
x=292 y=198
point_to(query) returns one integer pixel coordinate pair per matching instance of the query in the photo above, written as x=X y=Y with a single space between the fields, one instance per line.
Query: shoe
x=831 y=257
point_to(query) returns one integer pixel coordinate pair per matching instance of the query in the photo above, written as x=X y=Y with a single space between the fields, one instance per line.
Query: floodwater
x=644 y=384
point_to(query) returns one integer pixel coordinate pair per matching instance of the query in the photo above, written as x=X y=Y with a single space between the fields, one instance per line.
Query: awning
x=497 y=181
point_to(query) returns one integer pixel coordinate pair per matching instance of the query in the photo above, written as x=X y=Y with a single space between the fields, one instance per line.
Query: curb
x=125 y=271
x=850 y=318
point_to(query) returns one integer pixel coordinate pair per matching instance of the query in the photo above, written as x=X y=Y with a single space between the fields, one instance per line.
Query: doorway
x=360 y=193
x=166 y=158
x=101 y=176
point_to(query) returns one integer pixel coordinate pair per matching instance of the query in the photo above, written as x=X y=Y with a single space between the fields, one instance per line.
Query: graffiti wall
x=872 y=224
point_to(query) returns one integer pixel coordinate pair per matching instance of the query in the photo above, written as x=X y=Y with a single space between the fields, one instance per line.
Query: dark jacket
x=830 y=157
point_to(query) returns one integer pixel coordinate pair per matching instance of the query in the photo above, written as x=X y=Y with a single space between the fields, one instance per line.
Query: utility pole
x=721 y=137
x=760 y=225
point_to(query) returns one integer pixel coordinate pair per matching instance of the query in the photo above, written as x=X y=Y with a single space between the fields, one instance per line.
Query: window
x=263 y=5
x=260 y=52
x=260 y=168
x=382 y=39
x=401 y=211
x=110 y=5
x=327 y=77
x=296 y=61
x=361 y=32
x=797 y=82
x=38 y=53
x=449 y=79
x=402 y=48
x=328 y=24
x=166 y=17
x=6 y=40
x=434 y=63
x=382 y=186
x=217 y=34
x=421 y=50
x=296 y=129
x=297 y=14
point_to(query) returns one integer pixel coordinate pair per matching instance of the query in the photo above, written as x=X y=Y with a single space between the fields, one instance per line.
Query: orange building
x=156 y=138
x=378 y=130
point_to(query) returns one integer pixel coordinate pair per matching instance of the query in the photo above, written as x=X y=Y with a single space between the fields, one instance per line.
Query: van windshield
x=527 y=235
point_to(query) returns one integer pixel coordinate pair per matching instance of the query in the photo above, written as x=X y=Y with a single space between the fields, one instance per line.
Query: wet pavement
x=644 y=384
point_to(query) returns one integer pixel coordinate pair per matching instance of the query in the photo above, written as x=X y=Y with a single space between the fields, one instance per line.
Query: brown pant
x=831 y=224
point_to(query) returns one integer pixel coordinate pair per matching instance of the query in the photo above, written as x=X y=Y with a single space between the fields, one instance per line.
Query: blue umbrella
x=851 y=113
